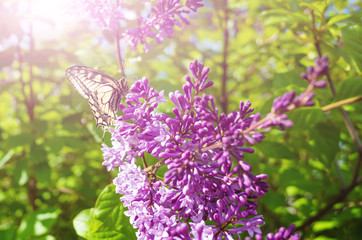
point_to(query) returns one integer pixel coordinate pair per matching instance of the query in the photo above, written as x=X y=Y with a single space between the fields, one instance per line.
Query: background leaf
x=37 y=223
x=106 y=220
x=351 y=87
x=352 y=38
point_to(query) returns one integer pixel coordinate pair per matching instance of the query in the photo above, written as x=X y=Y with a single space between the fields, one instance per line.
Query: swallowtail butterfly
x=104 y=93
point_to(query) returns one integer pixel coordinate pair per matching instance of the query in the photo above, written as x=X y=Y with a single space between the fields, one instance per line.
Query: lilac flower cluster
x=156 y=23
x=289 y=101
x=282 y=234
x=147 y=202
x=161 y=22
x=314 y=73
x=103 y=12
x=207 y=179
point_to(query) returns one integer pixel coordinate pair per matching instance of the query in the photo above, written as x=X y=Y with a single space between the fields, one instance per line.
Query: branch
x=154 y=167
x=21 y=79
x=119 y=57
x=32 y=190
x=341 y=103
x=224 y=65
x=32 y=184
x=318 y=48
x=339 y=198
x=31 y=103
x=315 y=35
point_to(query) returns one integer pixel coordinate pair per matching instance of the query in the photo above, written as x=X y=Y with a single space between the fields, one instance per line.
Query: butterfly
x=104 y=93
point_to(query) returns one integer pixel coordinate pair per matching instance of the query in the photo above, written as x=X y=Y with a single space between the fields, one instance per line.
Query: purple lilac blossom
x=159 y=22
x=284 y=234
x=146 y=202
x=103 y=12
x=315 y=72
x=289 y=101
x=207 y=178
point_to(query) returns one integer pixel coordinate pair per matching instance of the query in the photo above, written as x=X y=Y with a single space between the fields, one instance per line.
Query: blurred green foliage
x=50 y=158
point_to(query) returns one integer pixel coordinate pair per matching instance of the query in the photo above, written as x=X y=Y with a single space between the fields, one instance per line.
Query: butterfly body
x=104 y=93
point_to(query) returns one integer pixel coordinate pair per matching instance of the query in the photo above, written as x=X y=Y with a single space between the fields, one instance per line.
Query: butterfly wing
x=104 y=103
x=103 y=92
x=86 y=80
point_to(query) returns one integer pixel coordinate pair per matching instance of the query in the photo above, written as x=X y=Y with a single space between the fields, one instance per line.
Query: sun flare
x=48 y=17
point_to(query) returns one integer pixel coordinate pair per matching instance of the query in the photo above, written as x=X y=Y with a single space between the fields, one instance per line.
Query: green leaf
x=57 y=143
x=21 y=171
x=20 y=140
x=315 y=163
x=338 y=18
x=317 y=6
x=88 y=227
x=293 y=191
x=275 y=150
x=108 y=235
x=280 y=15
x=290 y=78
x=6 y=157
x=352 y=36
x=303 y=205
x=37 y=154
x=109 y=209
x=46 y=237
x=290 y=177
x=351 y=87
x=40 y=126
x=351 y=213
x=83 y=223
x=37 y=223
x=324 y=225
x=340 y=4
x=324 y=238
x=311 y=186
x=73 y=118
x=42 y=173
x=54 y=145
x=7 y=234
x=273 y=200
x=324 y=141
x=106 y=220
x=71 y=122
x=304 y=118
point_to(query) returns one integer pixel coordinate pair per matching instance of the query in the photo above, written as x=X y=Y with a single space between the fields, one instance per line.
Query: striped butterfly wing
x=103 y=92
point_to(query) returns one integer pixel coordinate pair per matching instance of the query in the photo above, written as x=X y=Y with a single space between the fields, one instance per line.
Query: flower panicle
x=157 y=22
x=290 y=101
x=314 y=73
x=200 y=147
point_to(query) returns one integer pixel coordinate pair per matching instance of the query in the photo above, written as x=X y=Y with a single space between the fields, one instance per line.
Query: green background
x=50 y=157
